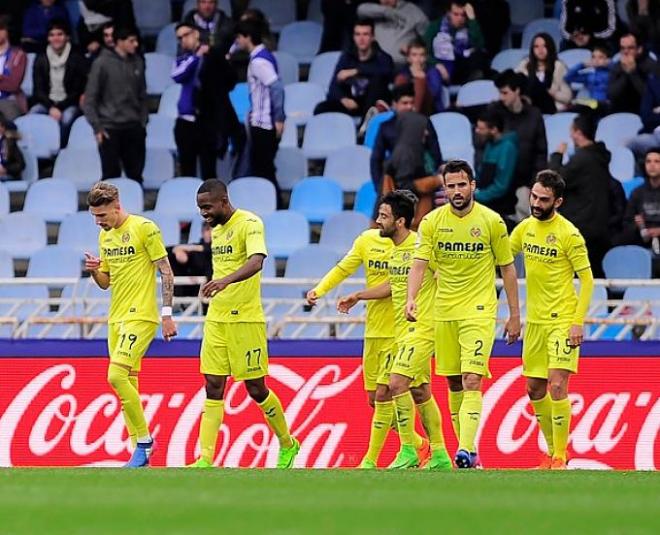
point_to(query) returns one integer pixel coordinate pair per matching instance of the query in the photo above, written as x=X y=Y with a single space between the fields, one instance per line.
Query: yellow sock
x=118 y=377
x=543 y=411
x=561 y=426
x=380 y=427
x=132 y=435
x=405 y=418
x=469 y=416
x=455 y=401
x=274 y=413
x=429 y=412
x=418 y=440
x=214 y=410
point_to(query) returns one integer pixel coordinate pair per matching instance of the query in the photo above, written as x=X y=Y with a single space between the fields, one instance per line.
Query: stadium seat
x=82 y=166
x=618 y=128
x=278 y=12
x=131 y=195
x=574 y=56
x=30 y=173
x=622 y=164
x=4 y=200
x=152 y=15
x=454 y=133
x=525 y=11
x=301 y=39
x=322 y=69
x=627 y=262
x=160 y=132
x=158 y=69
x=169 y=100
x=81 y=134
x=317 y=198
x=300 y=99
x=253 y=193
x=647 y=295
x=6 y=265
x=158 y=167
x=558 y=130
x=240 y=99
x=549 y=26
x=287 y=66
x=290 y=166
x=178 y=197
x=168 y=224
x=166 y=42
x=476 y=93
x=508 y=59
x=349 y=166
x=23 y=294
x=339 y=230
x=631 y=185
x=289 y=135
x=374 y=126
x=55 y=261
x=41 y=133
x=21 y=234
x=365 y=199
x=310 y=261
x=79 y=232
x=286 y=231
x=27 y=83
x=317 y=142
x=52 y=200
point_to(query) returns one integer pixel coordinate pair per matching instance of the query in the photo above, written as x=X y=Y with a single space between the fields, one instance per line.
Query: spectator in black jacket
x=361 y=77
x=59 y=77
x=11 y=158
x=587 y=199
x=215 y=26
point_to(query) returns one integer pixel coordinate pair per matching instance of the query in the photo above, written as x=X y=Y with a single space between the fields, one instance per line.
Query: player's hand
x=512 y=329
x=169 y=328
x=411 y=311
x=311 y=298
x=92 y=263
x=213 y=287
x=344 y=304
x=575 y=336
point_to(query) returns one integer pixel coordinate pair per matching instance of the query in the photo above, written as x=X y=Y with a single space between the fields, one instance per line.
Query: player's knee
x=215 y=388
x=383 y=395
x=116 y=376
x=536 y=391
x=471 y=381
x=398 y=385
x=257 y=391
x=420 y=394
x=558 y=389
x=455 y=383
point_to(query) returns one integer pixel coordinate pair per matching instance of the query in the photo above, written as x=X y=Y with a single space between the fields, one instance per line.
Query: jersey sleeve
x=153 y=240
x=499 y=239
x=424 y=245
x=344 y=268
x=576 y=251
x=516 y=239
x=255 y=241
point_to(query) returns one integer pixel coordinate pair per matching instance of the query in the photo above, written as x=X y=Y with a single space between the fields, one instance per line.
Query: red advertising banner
x=60 y=412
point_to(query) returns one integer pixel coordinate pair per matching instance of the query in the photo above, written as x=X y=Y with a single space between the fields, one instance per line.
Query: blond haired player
x=131 y=250
x=235 y=341
x=554 y=251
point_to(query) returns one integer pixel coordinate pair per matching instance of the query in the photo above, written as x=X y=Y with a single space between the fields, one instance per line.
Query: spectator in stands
x=338 y=21
x=192 y=260
x=429 y=87
x=496 y=186
x=594 y=75
x=414 y=153
x=59 y=75
x=216 y=28
x=457 y=44
x=644 y=19
x=107 y=40
x=12 y=163
x=12 y=70
x=545 y=74
x=95 y=15
x=629 y=75
x=650 y=114
x=593 y=18
x=579 y=38
x=362 y=75
x=266 y=115
x=527 y=121
x=115 y=105
x=586 y=202
x=37 y=20
x=397 y=23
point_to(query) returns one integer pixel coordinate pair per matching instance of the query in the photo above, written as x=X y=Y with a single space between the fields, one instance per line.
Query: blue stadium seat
x=160 y=132
x=4 y=200
x=52 y=200
x=254 y=194
x=508 y=59
x=79 y=232
x=477 y=92
x=81 y=166
x=152 y=15
x=81 y=135
x=287 y=66
x=30 y=173
x=339 y=230
x=574 y=56
x=622 y=164
x=168 y=224
x=195 y=232
x=286 y=231
x=322 y=69
x=454 y=133
x=631 y=185
x=646 y=294
x=178 y=197
x=290 y=134
x=21 y=234
x=318 y=144
x=158 y=70
x=311 y=261
x=168 y=101
x=278 y=12
x=627 y=262
x=6 y=265
x=166 y=42
x=240 y=99
x=317 y=198
x=374 y=126
x=549 y=26
x=290 y=166
x=131 y=195
x=301 y=39
x=558 y=130
x=27 y=83
x=158 y=167
x=41 y=133
x=618 y=128
x=300 y=99
x=349 y=166
x=55 y=261
x=365 y=199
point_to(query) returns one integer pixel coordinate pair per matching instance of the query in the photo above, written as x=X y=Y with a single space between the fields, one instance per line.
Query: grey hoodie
x=115 y=96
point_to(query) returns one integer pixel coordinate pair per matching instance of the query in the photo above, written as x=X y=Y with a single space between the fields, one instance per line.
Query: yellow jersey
x=400 y=263
x=465 y=251
x=554 y=250
x=128 y=254
x=372 y=251
x=231 y=246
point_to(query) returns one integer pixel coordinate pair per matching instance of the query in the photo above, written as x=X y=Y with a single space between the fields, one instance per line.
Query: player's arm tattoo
x=167 y=280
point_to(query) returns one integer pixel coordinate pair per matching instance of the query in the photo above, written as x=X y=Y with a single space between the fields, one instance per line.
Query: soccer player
x=131 y=250
x=235 y=328
x=554 y=250
x=466 y=241
x=410 y=364
x=372 y=251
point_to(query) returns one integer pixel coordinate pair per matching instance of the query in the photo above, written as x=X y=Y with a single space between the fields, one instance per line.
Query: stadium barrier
x=57 y=410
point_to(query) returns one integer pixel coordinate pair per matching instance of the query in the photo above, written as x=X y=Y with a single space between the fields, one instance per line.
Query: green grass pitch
x=97 y=501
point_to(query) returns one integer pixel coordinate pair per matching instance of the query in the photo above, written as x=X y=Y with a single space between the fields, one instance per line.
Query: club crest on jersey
x=229 y=235
x=406 y=257
x=475 y=232
x=551 y=239
x=125 y=237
